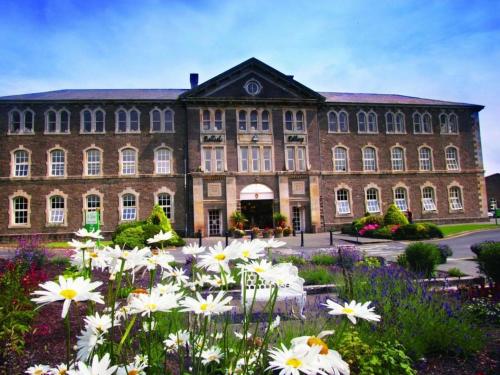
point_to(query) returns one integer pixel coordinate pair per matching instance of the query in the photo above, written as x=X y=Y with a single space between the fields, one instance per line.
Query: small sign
x=213 y=138
x=91 y=218
x=295 y=138
x=497 y=213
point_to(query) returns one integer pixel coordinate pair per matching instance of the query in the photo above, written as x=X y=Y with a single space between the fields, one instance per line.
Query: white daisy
x=98 y=367
x=294 y=361
x=78 y=245
x=208 y=306
x=353 y=310
x=284 y=274
x=160 y=237
x=176 y=273
x=213 y=354
x=260 y=268
x=61 y=369
x=193 y=249
x=87 y=342
x=275 y=324
x=218 y=257
x=90 y=234
x=218 y=281
x=38 y=370
x=250 y=249
x=176 y=340
x=99 y=323
x=135 y=368
x=272 y=243
x=77 y=290
x=167 y=288
x=146 y=304
x=159 y=258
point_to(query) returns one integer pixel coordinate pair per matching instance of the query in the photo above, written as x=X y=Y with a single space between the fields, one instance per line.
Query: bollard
x=331 y=238
x=301 y=238
x=199 y=238
x=227 y=238
x=251 y=236
x=294 y=233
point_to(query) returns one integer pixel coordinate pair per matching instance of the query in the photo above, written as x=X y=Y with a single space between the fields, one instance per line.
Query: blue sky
x=436 y=49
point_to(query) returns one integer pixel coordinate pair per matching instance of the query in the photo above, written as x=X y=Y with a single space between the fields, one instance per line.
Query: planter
x=278 y=235
x=266 y=235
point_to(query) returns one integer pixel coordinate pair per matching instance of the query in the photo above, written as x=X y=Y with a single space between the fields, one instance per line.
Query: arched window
x=128 y=207
x=342 y=199
x=452 y=163
x=362 y=122
x=206 y=119
x=64 y=121
x=163 y=161
x=156 y=120
x=134 y=120
x=299 y=124
x=400 y=123
x=453 y=124
x=57 y=163
x=87 y=121
x=93 y=202
x=21 y=122
x=428 y=199
x=21 y=163
x=56 y=210
x=122 y=121
x=417 y=123
x=425 y=159
x=242 y=120
x=397 y=159
x=93 y=162
x=169 y=121
x=427 y=120
x=57 y=121
x=443 y=123
x=29 y=118
x=15 y=121
x=372 y=200
x=389 y=118
x=455 y=197
x=401 y=198
x=332 y=122
x=128 y=161
x=254 y=120
x=340 y=159
x=20 y=214
x=218 y=119
x=289 y=120
x=372 y=123
x=343 y=125
x=164 y=200
x=369 y=159
x=51 y=119
x=265 y=120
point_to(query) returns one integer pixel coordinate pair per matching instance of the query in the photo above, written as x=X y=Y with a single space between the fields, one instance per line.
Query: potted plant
x=238 y=219
x=237 y=233
x=255 y=232
x=267 y=233
x=287 y=231
x=278 y=232
x=279 y=219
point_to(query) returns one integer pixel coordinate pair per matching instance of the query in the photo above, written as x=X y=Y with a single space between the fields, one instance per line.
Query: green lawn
x=450 y=230
x=64 y=245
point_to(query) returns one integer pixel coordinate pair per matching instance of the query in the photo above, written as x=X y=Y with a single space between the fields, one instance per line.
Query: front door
x=259 y=213
x=298 y=218
x=214 y=223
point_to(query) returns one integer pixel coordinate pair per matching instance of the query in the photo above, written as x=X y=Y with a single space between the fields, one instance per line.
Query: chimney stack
x=193 y=78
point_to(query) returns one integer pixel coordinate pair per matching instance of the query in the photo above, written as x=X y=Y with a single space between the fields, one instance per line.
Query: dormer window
x=92 y=121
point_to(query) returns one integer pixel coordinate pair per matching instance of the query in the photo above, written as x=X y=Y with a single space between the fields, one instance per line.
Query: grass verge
x=450 y=230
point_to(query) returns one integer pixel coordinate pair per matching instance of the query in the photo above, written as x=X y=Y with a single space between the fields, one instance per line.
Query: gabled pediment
x=253 y=80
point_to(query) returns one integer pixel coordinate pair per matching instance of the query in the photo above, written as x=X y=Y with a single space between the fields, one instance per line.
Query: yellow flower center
x=204 y=306
x=133 y=372
x=220 y=257
x=152 y=306
x=139 y=291
x=246 y=253
x=93 y=254
x=258 y=269
x=294 y=362
x=63 y=372
x=318 y=342
x=38 y=372
x=347 y=310
x=68 y=293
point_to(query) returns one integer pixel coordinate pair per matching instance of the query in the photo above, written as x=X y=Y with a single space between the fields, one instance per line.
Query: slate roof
x=173 y=94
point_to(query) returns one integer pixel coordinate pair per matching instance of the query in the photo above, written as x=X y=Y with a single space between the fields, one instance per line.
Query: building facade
x=250 y=139
x=493 y=191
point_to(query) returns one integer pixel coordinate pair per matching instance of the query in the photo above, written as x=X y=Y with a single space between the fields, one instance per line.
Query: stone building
x=493 y=191
x=250 y=139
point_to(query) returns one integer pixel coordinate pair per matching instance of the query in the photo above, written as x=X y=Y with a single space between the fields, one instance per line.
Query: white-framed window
x=21 y=159
x=401 y=198
x=398 y=159
x=93 y=162
x=455 y=197
x=213 y=158
x=337 y=122
x=162 y=121
x=92 y=121
x=128 y=207
x=294 y=121
x=425 y=159
x=340 y=159
x=57 y=163
x=128 y=161
x=212 y=120
x=21 y=122
x=93 y=203
x=253 y=120
x=56 y=210
x=57 y=121
x=367 y=122
x=255 y=158
x=20 y=211
x=242 y=120
x=372 y=200
x=422 y=124
x=448 y=123
x=163 y=160
x=395 y=123
x=342 y=199
x=265 y=120
x=428 y=199
x=127 y=121
x=165 y=201
x=296 y=158
x=452 y=163
x=369 y=159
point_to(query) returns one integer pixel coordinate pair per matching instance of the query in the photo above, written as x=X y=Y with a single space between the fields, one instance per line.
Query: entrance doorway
x=259 y=213
x=257 y=205
x=298 y=220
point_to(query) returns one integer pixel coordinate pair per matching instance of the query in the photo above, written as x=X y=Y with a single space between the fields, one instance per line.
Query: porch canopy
x=256 y=192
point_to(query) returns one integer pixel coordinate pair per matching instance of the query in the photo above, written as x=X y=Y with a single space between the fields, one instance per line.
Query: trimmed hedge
x=489 y=261
x=394 y=216
x=418 y=231
x=422 y=258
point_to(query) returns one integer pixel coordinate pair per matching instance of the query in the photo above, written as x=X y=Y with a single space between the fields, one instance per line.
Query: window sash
x=401 y=204
x=56 y=215
x=301 y=158
x=456 y=203
x=397 y=160
x=343 y=126
x=429 y=204
x=20 y=210
x=165 y=202
x=290 y=157
x=129 y=162
x=267 y=159
x=244 y=159
x=340 y=155
x=255 y=159
x=451 y=160
x=57 y=163
x=372 y=205
x=219 y=159
x=332 y=122
x=207 y=153
x=93 y=202
x=21 y=164
x=129 y=213
x=343 y=207
x=369 y=160
x=93 y=163
x=163 y=161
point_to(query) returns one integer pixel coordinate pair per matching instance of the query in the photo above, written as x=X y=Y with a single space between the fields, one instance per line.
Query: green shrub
x=121 y=227
x=444 y=253
x=130 y=238
x=455 y=272
x=150 y=230
x=158 y=217
x=317 y=276
x=477 y=247
x=402 y=261
x=484 y=311
x=394 y=216
x=417 y=232
x=348 y=229
x=294 y=259
x=371 y=262
x=60 y=261
x=382 y=232
x=368 y=219
x=323 y=259
x=489 y=261
x=422 y=258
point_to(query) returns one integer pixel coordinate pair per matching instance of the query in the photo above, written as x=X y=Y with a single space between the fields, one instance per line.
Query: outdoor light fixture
x=255 y=138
